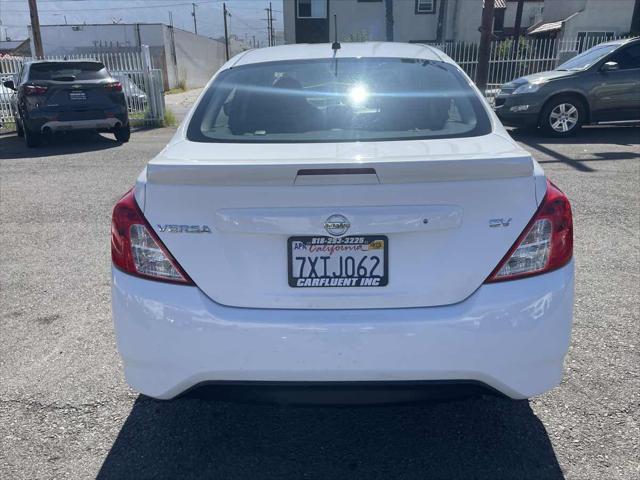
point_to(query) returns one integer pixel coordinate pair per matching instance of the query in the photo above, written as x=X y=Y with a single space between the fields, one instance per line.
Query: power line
x=174 y=4
x=155 y=3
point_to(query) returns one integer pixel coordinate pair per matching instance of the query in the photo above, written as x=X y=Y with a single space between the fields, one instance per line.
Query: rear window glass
x=68 y=71
x=334 y=100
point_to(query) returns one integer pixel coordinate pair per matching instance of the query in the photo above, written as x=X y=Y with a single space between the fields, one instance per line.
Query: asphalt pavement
x=66 y=411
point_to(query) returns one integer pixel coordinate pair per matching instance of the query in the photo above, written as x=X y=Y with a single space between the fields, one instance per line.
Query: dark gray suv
x=52 y=96
x=601 y=85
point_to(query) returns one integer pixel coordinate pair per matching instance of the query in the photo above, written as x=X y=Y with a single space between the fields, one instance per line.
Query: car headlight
x=528 y=88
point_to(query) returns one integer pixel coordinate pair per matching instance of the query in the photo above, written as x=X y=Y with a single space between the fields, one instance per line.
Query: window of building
x=312 y=8
x=369 y=1
x=425 y=6
x=498 y=20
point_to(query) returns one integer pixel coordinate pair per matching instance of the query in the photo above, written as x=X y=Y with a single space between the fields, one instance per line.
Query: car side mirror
x=9 y=84
x=610 y=67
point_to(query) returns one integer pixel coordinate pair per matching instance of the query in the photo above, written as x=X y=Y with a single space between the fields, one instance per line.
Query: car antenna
x=335 y=46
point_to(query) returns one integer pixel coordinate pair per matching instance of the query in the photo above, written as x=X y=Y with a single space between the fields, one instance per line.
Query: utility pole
x=518 y=24
x=484 y=50
x=268 y=26
x=195 y=23
x=254 y=41
x=635 y=19
x=441 y=21
x=388 y=14
x=35 y=28
x=226 y=33
x=273 y=34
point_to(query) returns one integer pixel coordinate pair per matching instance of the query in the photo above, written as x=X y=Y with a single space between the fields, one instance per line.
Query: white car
x=343 y=218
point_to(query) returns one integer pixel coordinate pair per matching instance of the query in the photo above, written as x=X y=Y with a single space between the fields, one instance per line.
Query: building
x=185 y=58
x=420 y=21
x=586 y=20
x=14 y=47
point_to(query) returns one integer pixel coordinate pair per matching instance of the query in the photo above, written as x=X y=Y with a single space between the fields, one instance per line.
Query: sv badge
x=499 y=222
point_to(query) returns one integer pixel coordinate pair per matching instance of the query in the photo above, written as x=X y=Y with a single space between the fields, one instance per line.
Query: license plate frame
x=77 y=96
x=329 y=279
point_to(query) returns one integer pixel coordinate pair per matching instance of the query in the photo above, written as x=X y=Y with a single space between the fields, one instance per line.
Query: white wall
x=463 y=20
x=73 y=39
x=555 y=10
x=198 y=58
x=409 y=27
x=365 y=19
x=289 y=20
x=531 y=14
x=601 y=16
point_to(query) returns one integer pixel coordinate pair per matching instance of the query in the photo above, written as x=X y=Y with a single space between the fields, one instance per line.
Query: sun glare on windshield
x=358 y=95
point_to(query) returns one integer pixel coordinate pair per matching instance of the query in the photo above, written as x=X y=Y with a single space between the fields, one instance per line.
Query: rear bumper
x=510 y=336
x=101 y=124
x=41 y=120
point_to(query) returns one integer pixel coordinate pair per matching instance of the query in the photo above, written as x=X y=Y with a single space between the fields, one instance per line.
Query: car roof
x=79 y=60
x=621 y=41
x=303 y=51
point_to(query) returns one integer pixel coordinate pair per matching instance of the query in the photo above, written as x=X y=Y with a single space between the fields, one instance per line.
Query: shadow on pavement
x=191 y=438
x=585 y=140
x=613 y=135
x=13 y=147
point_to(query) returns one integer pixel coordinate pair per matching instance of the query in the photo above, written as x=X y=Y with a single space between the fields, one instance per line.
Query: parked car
x=601 y=85
x=136 y=97
x=343 y=218
x=5 y=105
x=54 y=96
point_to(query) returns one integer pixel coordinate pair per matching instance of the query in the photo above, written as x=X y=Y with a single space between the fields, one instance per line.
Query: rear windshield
x=68 y=71
x=348 y=99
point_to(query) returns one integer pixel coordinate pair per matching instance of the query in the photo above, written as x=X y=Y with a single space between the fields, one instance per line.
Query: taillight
x=545 y=244
x=114 y=87
x=135 y=247
x=35 y=90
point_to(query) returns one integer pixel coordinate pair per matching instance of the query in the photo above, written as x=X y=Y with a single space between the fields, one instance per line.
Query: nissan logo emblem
x=336 y=225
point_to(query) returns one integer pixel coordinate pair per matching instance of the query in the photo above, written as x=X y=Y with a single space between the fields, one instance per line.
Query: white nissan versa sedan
x=354 y=217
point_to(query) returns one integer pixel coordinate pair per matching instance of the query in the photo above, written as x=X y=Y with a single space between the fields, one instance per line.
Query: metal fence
x=141 y=84
x=509 y=60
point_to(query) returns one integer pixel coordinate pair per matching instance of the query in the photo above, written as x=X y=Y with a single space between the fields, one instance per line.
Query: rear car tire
x=19 y=129
x=563 y=116
x=122 y=134
x=32 y=138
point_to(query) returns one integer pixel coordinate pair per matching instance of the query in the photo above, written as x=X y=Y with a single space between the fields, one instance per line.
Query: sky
x=247 y=16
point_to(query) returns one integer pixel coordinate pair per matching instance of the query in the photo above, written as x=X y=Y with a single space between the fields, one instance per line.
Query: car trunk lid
x=429 y=202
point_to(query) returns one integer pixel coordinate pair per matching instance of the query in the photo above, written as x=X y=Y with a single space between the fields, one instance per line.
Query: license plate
x=354 y=261
x=77 y=95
